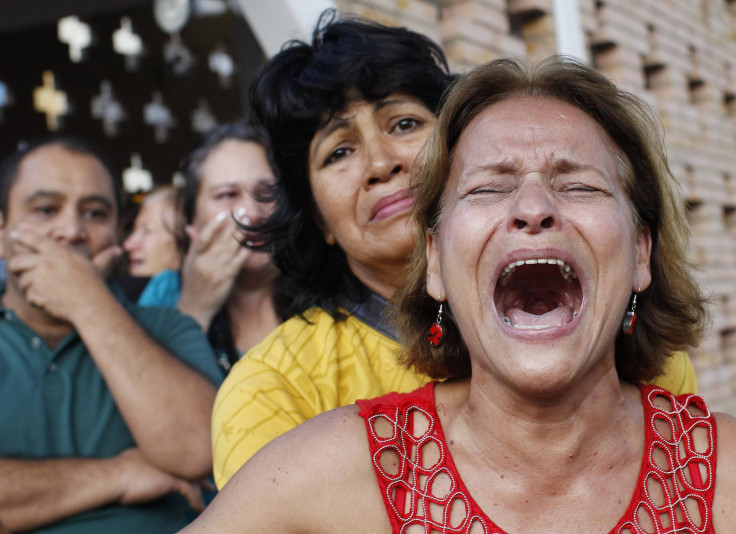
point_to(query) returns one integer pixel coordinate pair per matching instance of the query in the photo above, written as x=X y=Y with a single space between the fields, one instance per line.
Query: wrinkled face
x=359 y=167
x=537 y=252
x=234 y=174
x=65 y=195
x=151 y=246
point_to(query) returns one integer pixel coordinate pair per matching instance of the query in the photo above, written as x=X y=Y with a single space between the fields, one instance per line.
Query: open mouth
x=536 y=294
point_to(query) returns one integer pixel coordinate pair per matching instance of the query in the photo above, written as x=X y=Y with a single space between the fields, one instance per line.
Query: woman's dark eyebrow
x=384 y=102
x=334 y=124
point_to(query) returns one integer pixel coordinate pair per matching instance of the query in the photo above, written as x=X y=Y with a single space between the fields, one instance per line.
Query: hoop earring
x=436 y=333
x=630 y=317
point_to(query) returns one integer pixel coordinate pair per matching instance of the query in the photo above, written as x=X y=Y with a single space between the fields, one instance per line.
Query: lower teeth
x=534 y=327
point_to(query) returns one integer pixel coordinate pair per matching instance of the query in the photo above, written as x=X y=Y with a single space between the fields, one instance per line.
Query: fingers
x=215 y=230
x=22 y=262
x=207 y=485
x=233 y=264
x=206 y=237
x=191 y=232
x=216 y=247
x=24 y=281
x=22 y=266
x=191 y=492
x=105 y=260
x=24 y=237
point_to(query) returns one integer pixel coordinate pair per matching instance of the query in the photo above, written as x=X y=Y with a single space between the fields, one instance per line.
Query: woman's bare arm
x=315 y=478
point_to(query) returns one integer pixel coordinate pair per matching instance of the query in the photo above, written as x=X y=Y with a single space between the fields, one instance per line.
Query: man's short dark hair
x=9 y=167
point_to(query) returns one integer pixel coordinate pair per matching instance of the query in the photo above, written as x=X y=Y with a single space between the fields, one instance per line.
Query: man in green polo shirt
x=104 y=406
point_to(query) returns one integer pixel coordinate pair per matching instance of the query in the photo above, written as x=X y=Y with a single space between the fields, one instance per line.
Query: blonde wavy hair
x=671 y=312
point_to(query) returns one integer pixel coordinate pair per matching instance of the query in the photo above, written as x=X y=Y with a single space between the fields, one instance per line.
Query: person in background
x=104 y=406
x=152 y=246
x=230 y=290
x=549 y=223
x=347 y=116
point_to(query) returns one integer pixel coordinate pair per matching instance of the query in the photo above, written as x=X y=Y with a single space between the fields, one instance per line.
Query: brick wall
x=678 y=55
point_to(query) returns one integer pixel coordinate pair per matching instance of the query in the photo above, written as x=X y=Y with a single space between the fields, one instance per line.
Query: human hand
x=55 y=277
x=213 y=261
x=141 y=482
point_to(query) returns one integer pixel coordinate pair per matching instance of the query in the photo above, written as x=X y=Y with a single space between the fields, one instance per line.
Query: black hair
x=9 y=167
x=191 y=166
x=292 y=96
x=220 y=332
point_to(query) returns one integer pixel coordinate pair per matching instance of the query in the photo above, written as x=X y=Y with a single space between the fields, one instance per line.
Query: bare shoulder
x=317 y=477
x=724 y=513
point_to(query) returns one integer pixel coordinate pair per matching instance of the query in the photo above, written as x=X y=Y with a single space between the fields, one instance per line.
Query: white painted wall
x=274 y=22
x=569 y=29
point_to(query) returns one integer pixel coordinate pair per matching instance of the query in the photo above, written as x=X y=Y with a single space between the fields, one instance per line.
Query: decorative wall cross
x=106 y=108
x=127 y=43
x=136 y=179
x=222 y=64
x=178 y=55
x=47 y=99
x=202 y=118
x=159 y=116
x=76 y=34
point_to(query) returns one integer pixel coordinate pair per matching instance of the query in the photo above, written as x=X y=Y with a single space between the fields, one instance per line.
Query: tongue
x=555 y=317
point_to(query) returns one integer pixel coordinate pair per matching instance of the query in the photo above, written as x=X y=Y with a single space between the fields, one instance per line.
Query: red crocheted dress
x=409 y=494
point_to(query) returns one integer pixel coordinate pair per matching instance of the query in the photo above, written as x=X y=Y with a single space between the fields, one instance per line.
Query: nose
x=70 y=229
x=258 y=211
x=533 y=210
x=385 y=161
x=132 y=242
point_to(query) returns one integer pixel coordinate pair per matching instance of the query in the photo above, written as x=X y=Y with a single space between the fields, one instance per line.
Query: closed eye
x=502 y=185
x=581 y=188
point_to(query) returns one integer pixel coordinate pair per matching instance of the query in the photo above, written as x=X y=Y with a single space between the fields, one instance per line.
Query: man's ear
x=435 y=286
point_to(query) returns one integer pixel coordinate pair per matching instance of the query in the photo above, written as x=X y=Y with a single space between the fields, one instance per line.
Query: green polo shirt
x=55 y=404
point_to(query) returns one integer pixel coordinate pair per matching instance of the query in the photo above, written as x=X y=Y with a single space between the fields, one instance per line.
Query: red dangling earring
x=630 y=318
x=436 y=334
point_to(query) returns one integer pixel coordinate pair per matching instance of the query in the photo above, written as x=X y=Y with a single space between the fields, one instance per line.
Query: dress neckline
x=495 y=529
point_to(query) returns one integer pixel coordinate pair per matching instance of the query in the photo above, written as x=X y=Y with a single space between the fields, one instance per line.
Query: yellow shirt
x=678 y=376
x=302 y=369
x=298 y=371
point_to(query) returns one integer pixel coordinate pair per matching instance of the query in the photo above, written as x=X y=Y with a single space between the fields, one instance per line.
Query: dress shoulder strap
x=677 y=480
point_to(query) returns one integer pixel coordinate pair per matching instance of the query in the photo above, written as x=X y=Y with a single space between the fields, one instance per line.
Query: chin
x=257 y=261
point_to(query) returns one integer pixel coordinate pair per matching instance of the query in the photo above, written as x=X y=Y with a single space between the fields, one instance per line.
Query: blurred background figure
x=224 y=286
x=104 y=405
x=152 y=247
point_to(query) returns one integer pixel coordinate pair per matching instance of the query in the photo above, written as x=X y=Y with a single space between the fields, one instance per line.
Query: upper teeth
x=567 y=271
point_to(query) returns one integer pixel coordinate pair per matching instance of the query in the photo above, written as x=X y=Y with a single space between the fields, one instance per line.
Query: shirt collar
x=373 y=311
